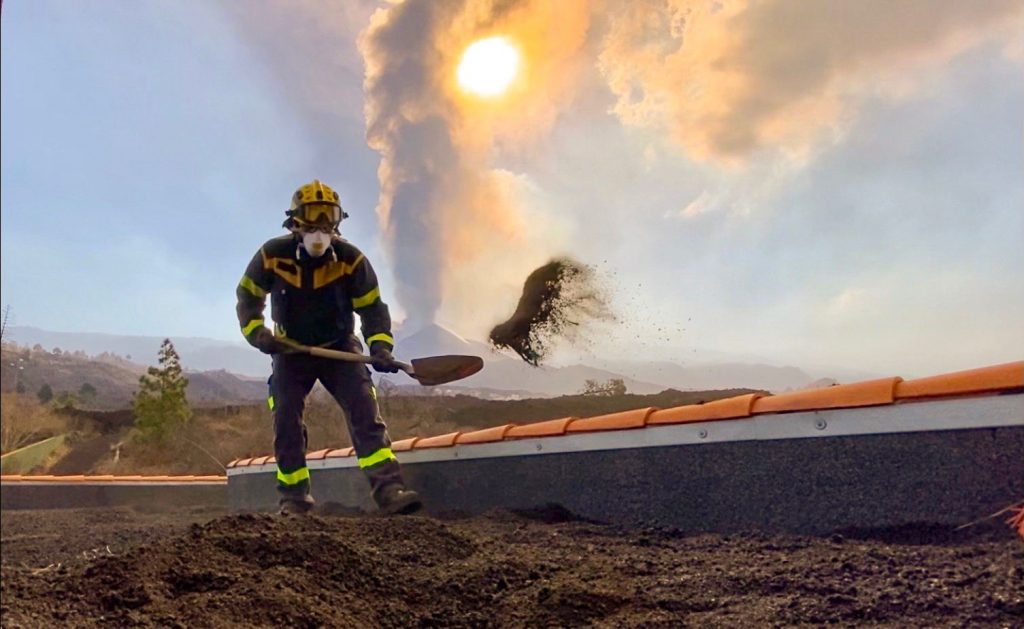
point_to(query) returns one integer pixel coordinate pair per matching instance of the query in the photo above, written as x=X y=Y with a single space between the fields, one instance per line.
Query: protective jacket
x=313 y=299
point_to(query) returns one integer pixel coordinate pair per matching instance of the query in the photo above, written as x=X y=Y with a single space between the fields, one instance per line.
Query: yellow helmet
x=315 y=203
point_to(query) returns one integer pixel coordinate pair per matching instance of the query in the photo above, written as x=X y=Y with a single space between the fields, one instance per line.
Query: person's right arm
x=252 y=298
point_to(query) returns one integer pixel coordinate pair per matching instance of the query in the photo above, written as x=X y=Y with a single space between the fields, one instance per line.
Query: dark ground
x=120 y=567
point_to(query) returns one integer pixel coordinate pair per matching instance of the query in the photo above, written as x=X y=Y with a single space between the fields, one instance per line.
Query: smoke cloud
x=728 y=78
x=452 y=219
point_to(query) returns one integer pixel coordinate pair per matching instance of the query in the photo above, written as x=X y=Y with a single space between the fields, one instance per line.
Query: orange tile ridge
x=341 y=453
x=485 y=435
x=881 y=391
x=636 y=418
x=317 y=454
x=727 y=408
x=548 y=428
x=868 y=393
x=403 y=445
x=982 y=380
x=106 y=478
x=440 y=441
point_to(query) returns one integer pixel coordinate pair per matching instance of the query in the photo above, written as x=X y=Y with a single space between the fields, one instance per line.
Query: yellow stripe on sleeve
x=252 y=287
x=251 y=326
x=387 y=338
x=367 y=299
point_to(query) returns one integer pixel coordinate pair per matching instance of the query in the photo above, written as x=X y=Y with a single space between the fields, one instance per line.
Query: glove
x=264 y=340
x=383 y=361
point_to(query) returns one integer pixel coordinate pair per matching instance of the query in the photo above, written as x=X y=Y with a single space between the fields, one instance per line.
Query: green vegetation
x=160 y=405
x=614 y=386
x=25 y=420
x=87 y=392
x=65 y=399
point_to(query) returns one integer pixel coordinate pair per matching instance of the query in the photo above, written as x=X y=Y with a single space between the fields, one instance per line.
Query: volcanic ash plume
x=449 y=215
x=558 y=300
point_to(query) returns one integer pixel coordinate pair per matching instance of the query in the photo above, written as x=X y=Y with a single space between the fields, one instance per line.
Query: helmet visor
x=319 y=213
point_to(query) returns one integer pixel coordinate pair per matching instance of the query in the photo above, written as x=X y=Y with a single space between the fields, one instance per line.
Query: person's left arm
x=372 y=311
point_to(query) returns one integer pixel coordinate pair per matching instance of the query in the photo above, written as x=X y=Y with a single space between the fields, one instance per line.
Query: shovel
x=428 y=371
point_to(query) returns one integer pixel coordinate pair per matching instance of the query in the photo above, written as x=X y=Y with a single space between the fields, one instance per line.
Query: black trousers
x=350 y=384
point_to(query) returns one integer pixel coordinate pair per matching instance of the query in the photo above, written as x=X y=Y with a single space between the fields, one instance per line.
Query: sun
x=488 y=66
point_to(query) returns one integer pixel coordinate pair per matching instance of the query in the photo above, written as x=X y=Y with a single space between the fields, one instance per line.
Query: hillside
x=108 y=382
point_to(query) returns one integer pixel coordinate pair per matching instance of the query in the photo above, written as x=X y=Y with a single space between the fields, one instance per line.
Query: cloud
x=850 y=302
x=704 y=203
x=729 y=78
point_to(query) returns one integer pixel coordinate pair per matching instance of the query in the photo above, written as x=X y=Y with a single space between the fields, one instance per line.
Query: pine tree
x=160 y=404
x=87 y=392
x=45 y=393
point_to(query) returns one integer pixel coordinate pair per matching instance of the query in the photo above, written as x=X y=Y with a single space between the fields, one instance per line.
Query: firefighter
x=316 y=281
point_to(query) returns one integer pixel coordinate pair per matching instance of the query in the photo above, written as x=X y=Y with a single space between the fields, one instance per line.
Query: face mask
x=316 y=243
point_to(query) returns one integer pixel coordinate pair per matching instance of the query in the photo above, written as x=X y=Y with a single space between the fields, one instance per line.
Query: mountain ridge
x=501 y=371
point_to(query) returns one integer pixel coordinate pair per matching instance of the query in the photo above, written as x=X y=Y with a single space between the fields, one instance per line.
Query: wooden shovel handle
x=351 y=357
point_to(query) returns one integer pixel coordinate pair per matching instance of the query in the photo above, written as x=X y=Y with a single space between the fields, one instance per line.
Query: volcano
x=437 y=340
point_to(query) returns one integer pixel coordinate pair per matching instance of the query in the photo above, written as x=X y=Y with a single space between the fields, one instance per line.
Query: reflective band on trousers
x=270 y=402
x=294 y=478
x=384 y=454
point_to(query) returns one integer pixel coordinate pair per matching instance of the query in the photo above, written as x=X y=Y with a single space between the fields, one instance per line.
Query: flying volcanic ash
x=558 y=300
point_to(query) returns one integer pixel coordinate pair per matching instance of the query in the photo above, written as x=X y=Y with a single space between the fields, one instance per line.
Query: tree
x=45 y=393
x=614 y=386
x=160 y=404
x=64 y=400
x=87 y=391
x=20 y=387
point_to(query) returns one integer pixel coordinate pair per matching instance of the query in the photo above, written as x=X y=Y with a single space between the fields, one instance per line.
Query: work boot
x=297 y=505
x=396 y=499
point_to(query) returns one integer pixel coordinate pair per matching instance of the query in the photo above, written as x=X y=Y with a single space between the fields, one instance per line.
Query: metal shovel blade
x=442 y=369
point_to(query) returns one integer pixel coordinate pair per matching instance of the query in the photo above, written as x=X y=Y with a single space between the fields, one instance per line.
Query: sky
x=830 y=183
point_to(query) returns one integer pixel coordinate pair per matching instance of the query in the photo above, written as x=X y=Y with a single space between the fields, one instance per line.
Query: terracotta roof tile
x=403 y=445
x=440 y=441
x=868 y=393
x=729 y=408
x=549 y=428
x=994 y=378
x=486 y=435
x=636 y=418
